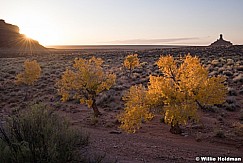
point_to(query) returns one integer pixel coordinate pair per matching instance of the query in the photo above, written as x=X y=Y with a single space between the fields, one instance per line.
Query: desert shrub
x=94 y=120
x=85 y=82
x=184 y=87
x=31 y=73
x=130 y=62
x=37 y=134
x=99 y=158
x=238 y=129
x=232 y=92
x=219 y=133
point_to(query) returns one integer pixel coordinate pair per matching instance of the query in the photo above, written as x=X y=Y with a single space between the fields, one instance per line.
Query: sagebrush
x=37 y=134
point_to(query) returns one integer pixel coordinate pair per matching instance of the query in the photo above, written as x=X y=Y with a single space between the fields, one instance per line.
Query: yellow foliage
x=183 y=87
x=136 y=110
x=86 y=81
x=131 y=61
x=212 y=91
x=167 y=65
x=31 y=73
x=179 y=114
x=89 y=102
x=82 y=101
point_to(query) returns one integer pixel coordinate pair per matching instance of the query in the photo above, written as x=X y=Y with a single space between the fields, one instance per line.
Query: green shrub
x=219 y=133
x=37 y=134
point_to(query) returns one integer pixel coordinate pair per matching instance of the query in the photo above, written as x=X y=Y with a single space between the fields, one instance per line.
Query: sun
x=44 y=35
x=27 y=37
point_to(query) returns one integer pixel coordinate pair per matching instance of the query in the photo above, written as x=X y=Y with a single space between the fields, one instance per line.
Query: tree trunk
x=175 y=129
x=26 y=93
x=130 y=73
x=200 y=105
x=95 y=109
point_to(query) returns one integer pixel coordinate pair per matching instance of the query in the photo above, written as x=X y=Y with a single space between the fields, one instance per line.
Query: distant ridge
x=114 y=47
x=12 y=41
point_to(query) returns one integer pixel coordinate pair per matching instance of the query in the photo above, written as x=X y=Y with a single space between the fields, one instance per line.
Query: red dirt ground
x=218 y=132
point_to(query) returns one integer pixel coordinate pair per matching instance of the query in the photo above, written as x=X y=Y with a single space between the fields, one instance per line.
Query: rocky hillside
x=14 y=43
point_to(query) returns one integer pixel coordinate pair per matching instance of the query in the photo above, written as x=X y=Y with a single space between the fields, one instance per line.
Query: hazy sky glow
x=105 y=22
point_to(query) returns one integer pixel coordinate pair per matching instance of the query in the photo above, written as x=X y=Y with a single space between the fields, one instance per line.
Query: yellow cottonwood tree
x=130 y=62
x=181 y=90
x=31 y=73
x=85 y=82
x=136 y=109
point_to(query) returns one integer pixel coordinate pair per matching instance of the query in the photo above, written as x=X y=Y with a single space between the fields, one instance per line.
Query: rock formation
x=12 y=40
x=221 y=42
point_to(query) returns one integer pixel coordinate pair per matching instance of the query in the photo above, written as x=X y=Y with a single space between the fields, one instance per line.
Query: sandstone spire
x=221 y=42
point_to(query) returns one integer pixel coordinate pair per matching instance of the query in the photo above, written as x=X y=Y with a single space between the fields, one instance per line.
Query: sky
x=124 y=22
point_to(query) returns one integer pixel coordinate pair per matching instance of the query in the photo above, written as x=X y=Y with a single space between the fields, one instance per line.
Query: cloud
x=151 y=41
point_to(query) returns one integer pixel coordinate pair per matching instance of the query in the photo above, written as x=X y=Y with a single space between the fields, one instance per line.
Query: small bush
x=94 y=120
x=238 y=129
x=37 y=134
x=31 y=73
x=130 y=62
x=219 y=134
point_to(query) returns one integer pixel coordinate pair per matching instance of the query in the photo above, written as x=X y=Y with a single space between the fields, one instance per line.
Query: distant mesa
x=12 y=40
x=221 y=42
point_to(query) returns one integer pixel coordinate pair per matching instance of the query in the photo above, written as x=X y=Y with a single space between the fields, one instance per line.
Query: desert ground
x=219 y=131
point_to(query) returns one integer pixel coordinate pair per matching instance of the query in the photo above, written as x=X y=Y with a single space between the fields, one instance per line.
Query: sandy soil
x=218 y=133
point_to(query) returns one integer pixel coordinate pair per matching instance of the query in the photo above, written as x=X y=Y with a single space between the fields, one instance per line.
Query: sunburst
x=25 y=45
